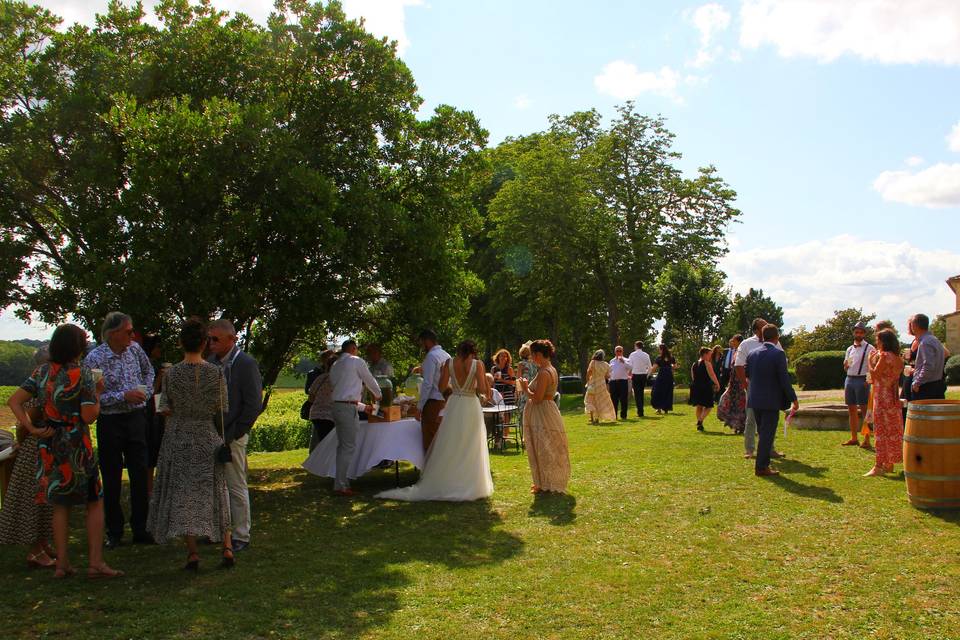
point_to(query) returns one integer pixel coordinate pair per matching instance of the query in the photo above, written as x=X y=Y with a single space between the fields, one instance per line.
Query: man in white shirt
x=348 y=376
x=639 y=370
x=856 y=390
x=379 y=366
x=431 y=396
x=620 y=382
x=747 y=347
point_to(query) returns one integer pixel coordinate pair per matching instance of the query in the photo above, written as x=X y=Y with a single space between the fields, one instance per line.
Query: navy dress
x=701 y=391
x=661 y=394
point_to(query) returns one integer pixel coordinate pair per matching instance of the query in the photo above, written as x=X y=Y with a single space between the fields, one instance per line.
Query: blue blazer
x=770 y=388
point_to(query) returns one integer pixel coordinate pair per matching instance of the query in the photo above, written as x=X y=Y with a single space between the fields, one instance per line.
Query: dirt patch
x=6 y=417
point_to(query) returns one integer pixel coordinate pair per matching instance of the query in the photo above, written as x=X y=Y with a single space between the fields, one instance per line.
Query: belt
x=858 y=377
x=346 y=402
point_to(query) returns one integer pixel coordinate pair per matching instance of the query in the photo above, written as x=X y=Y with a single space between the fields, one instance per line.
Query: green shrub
x=953 y=370
x=793 y=375
x=280 y=427
x=821 y=370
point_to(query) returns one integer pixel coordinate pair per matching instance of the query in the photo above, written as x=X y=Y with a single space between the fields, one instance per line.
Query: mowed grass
x=666 y=533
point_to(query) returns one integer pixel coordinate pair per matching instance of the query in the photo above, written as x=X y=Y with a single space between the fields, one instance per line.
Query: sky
x=836 y=121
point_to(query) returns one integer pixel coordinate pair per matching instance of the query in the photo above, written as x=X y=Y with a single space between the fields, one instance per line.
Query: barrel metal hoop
x=919 y=440
x=915 y=416
x=935 y=408
x=925 y=478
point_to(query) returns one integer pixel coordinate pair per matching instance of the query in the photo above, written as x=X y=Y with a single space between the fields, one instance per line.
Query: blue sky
x=831 y=119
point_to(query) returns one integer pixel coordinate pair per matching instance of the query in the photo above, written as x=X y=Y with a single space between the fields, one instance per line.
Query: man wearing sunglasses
x=122 y=425
x=245 y=399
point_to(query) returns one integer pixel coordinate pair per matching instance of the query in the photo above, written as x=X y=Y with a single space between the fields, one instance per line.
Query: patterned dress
x=732 y=409
x=546 y=440
x=887 y=414
x=190 y=494
x=22 y=520
x=67 y=473
x=596 y=401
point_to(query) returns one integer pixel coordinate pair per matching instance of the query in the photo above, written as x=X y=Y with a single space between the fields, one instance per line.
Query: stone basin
x=822 y=417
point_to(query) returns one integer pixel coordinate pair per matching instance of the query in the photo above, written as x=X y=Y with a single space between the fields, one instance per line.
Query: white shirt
x=430 y=370
x=349 y=376
x=382 y=368
x=858 y=359
x=639 y=363
x=747 y=347
x=496 y=397
x=619 y=369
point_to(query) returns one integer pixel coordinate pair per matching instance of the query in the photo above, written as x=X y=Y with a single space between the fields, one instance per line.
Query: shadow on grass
x=558 y=508
x=789 y=465
x=807 y=490
x=318 y=567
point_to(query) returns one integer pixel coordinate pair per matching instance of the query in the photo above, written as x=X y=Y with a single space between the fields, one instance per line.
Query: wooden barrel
x=931 y=454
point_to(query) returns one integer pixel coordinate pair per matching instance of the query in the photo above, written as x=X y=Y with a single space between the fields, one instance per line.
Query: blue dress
x=661 y=395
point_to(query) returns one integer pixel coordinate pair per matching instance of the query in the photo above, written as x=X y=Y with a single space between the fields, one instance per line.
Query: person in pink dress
x=886 y=366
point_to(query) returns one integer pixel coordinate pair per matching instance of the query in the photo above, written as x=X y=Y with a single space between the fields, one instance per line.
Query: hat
x=860 y=325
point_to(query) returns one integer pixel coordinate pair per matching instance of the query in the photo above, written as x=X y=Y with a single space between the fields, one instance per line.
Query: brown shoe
x=345 y=493
x=779 y=455
x=763 y=473
x=852 y=442
x=749 y=455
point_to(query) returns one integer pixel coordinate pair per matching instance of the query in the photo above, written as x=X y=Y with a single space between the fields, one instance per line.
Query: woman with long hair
x=596 y=401
x=661 y=393
x=67 y=473
x=547 y=449
x=703 y=386
x=885 y=370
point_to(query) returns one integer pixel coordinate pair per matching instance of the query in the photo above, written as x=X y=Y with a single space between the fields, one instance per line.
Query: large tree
x=744 y=309
x=834 y=334
x=277 y=176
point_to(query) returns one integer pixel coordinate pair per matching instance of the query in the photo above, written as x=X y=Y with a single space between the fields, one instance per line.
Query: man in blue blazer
x=769 y=393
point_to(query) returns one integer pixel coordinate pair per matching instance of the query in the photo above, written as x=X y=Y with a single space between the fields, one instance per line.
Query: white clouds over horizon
x=935 y=187
x=383 y=18
x=624 y=81
x=885 y=31
x=814 y=279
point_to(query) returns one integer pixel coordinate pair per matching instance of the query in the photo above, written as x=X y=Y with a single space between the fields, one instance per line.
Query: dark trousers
x=767 y=420
x=639 y=385
x=620 y=394
x=935 y=390
x=320 y=430
x=122 y=441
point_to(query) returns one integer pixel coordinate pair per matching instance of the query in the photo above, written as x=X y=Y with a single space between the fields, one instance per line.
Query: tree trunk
x=613 y=314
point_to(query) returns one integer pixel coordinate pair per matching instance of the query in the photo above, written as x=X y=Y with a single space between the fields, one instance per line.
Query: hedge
x=953 y=370
x=821 y=370
x=280 y=427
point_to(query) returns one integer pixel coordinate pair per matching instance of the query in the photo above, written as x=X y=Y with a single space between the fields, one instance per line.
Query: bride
x=458 y=465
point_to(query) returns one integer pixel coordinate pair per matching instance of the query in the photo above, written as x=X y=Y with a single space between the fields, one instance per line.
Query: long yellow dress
x=545 y=437
x=597 y=401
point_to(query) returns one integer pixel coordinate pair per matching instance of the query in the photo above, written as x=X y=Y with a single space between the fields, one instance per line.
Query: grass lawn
x=666 y=533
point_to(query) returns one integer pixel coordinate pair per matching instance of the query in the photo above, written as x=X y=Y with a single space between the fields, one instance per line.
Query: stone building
x=953 y=319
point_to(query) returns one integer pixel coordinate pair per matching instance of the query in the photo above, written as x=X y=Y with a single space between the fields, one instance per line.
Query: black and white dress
x=190 y=493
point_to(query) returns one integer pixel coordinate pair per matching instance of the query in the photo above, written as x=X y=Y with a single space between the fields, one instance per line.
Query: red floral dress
x=67 y=473
x=887 y=411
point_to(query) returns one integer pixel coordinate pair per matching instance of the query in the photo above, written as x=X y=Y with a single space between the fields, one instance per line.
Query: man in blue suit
x=769 y=393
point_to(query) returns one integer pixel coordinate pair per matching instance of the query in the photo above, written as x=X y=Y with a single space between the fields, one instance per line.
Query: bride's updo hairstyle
x=467 y=348
x=543 y=347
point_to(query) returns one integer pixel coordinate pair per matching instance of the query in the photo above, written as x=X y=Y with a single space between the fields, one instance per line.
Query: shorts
x=856 y=391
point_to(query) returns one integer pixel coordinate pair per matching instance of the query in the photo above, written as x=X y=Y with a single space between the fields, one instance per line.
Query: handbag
x=222 y=455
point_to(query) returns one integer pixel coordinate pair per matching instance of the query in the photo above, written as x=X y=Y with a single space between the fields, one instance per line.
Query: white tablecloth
x=376 y=441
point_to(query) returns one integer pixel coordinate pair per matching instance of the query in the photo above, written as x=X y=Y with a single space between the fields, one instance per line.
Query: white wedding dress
x=458 y=465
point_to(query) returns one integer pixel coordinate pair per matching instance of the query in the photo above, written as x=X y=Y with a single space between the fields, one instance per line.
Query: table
x=376 y=442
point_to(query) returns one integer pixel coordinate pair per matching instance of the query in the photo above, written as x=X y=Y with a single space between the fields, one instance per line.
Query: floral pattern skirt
x=68 y=473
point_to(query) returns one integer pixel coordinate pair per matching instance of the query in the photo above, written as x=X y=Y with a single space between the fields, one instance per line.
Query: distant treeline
x=16 y=360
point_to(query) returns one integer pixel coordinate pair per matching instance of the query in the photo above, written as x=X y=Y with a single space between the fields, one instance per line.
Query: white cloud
x=953 y=138
x=384 y=18
x=624 y=81
x=914 y=161
x=812 y=280
x=709 y=20
x=886 y=31
x=935 y=187
x=522 y=102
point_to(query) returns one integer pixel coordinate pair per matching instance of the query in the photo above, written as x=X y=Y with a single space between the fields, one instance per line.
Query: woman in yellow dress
x=597 y=401
x=546 y=438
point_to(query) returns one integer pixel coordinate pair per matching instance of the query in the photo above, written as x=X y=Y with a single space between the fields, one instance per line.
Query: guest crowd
x=181 y=431
x=750 y=385
x=188 y=423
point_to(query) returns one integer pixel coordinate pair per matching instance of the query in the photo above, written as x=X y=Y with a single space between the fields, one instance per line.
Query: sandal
x=228 y=561
x=40 y=561
x=103 y=572
x=193 y=563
